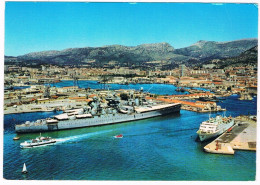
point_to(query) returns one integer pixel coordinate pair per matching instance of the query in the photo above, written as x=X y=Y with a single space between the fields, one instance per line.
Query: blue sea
x=161 y=89
x=162 y=148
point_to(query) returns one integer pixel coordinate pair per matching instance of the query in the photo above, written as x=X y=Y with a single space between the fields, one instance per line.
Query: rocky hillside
x=248 y=57
x=138 y=55
x=205 y=50
x=102 y=55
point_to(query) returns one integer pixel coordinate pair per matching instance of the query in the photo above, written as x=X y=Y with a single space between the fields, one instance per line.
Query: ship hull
x=97 y=121
x=37 y=144
x=204 y=137
x=207 y=136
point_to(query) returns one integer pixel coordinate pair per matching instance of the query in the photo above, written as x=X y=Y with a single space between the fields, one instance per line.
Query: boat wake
x=79 y=137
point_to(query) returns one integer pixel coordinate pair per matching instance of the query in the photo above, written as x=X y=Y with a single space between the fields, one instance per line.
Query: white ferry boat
x=214 y=127
x=39 y=141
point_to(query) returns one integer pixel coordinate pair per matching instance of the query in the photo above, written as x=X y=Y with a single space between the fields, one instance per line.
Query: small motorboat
x=39 y=141
x=16 y=138
x=118 y=136
x=24 y=168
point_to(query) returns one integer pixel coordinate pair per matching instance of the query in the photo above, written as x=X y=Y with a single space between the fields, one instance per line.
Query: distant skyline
x=42 y=26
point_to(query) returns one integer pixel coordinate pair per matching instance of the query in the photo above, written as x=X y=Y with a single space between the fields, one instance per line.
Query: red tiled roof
x=218 y=83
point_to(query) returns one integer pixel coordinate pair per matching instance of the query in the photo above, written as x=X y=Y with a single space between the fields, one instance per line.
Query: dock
x=242 y=136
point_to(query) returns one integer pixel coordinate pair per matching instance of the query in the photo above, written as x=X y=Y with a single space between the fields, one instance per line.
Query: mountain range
x=247 y=57
x=136 y=56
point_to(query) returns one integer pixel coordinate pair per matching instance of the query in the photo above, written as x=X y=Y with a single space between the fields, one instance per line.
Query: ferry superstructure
x=97 y=115
x=214 y=127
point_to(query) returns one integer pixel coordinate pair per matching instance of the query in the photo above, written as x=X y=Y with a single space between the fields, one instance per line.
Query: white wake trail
x=82 y=136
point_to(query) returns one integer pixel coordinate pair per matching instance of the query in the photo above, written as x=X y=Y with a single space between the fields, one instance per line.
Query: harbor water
x=162 y=148
x=161 y=89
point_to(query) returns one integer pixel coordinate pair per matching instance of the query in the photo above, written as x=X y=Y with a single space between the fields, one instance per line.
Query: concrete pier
x=241 y=137
x=44 y=107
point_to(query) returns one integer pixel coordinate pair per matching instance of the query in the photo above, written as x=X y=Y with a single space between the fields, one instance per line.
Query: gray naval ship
x=97 y=113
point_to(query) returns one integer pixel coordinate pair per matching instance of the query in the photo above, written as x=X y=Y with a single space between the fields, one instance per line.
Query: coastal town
x=41 y=89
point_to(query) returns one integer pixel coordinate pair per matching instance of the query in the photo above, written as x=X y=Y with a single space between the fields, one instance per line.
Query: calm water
x=163 y=148
x=161 y=89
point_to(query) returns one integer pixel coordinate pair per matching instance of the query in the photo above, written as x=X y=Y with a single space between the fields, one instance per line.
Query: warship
x=98 y=113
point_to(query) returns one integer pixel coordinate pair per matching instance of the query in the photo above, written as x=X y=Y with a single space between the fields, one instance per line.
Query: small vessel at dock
x=16 y=138
x=213 y=99
x=24 y=169
x=39 y=141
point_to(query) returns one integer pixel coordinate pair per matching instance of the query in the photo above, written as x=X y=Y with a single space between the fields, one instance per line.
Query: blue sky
x=40 y=26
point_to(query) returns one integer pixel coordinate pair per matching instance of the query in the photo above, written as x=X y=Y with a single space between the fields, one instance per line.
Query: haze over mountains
x=134 y=56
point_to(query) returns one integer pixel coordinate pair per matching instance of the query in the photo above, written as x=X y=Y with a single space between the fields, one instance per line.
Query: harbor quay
x=241 y=136
x=46 y=106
